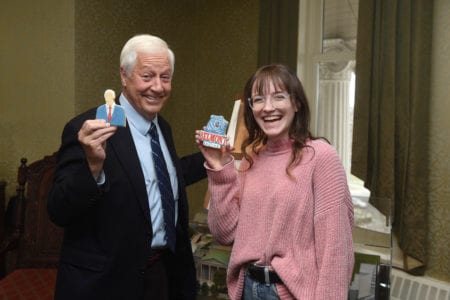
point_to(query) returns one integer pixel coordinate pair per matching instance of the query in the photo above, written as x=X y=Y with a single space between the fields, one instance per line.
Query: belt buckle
x=266 y=275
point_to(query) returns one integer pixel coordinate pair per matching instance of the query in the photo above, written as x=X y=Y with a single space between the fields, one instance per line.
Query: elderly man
x=119 y=192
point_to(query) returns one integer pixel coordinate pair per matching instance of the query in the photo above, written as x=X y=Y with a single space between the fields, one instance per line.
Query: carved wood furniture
x=2 y=216
x=31 y=243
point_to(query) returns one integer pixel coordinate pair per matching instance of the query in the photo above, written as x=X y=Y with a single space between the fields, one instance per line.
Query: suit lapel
x=166 y=132
x=122 y=144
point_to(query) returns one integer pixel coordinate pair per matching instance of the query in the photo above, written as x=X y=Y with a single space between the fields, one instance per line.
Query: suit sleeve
x=193 y=169
x=74 y=190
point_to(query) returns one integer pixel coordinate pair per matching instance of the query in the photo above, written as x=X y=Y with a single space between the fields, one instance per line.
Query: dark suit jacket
x=107 y=230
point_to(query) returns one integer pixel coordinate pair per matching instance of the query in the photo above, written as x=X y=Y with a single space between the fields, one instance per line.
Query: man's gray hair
x=144 y=43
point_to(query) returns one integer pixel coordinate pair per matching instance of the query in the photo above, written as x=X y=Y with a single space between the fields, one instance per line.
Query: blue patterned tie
x=165 y=188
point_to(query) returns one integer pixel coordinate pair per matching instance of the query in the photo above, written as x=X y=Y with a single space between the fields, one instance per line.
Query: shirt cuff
x=101 y=178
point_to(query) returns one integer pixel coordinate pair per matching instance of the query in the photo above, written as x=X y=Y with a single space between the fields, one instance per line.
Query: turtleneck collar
x=279 y=145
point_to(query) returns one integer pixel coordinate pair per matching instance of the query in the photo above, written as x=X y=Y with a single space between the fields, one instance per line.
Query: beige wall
x=60 y=56
x=439 y=139
x=36 y=80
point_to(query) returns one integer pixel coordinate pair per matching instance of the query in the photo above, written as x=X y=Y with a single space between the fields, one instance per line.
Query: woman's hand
x=216 y=158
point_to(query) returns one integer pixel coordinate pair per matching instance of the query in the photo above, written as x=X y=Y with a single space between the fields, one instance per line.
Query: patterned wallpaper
x=36 y=81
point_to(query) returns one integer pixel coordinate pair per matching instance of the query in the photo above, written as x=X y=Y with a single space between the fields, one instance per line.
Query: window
x=326 y=64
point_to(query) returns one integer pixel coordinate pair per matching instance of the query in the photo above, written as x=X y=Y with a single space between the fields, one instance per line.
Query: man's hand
x=92 y=137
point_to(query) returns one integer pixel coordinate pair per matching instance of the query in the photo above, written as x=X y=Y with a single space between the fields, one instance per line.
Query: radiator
x=408 y=287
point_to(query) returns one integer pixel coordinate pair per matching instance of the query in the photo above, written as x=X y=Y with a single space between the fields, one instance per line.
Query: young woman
x=287 y=210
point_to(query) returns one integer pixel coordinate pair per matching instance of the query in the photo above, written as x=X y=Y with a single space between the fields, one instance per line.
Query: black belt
x=155 y=255
x=262 y=274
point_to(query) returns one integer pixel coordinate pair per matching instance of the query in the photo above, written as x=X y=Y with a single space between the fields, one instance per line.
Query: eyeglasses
x=277 y=100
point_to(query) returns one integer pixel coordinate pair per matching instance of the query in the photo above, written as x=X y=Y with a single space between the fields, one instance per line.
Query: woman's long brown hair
x=284 y=80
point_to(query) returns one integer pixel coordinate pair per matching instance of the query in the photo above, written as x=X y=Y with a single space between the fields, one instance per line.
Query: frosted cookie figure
x=111 y=112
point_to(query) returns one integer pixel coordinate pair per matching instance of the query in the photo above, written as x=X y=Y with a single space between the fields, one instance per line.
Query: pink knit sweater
x=301 y=225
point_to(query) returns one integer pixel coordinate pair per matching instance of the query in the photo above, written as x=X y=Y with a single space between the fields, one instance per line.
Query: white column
x=334 y=110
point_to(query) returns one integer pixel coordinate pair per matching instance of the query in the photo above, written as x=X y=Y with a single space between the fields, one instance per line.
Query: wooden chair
x=2 y=217
x=30 y=247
